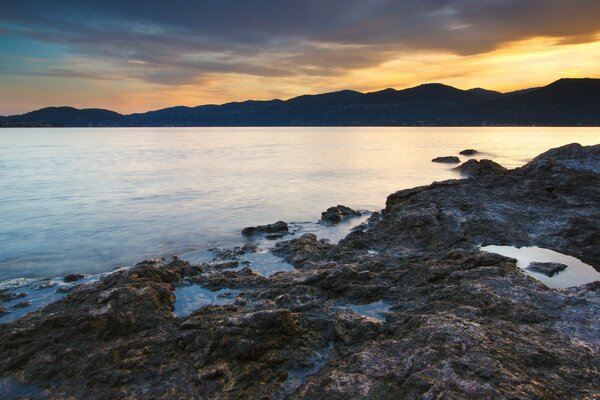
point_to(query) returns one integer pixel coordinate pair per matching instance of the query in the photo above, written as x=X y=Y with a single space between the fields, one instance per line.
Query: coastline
x=446 y=319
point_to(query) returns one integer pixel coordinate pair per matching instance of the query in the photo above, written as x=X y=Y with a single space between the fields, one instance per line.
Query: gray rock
x=547 y=268
x=479 y=168
x=277 y=227
x=447 y=160
x=338 y=213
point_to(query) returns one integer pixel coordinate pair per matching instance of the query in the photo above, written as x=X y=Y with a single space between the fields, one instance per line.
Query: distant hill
x=566 y=102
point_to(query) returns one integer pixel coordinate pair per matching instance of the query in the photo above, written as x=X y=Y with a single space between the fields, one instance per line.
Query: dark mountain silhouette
x=565 y=102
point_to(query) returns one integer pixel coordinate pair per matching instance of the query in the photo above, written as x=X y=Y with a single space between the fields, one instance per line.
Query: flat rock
x=447 y=160
x=547 y=268
x=277 y=227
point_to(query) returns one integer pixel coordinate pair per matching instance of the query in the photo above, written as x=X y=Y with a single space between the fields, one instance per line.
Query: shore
x=406 y=306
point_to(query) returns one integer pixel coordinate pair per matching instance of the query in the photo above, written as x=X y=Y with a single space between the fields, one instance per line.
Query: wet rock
x=46 y=284
x=468 y=152
x=446 y=160
x=3 y=311
x=479 y=168
x=301 y=250
x=8 y=296
x=73 y=277
x=277 y=227
x=547 y=268
x=338 y=213
x=22 y=304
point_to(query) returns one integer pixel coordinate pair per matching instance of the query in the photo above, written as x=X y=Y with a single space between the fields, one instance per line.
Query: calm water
x=88 y=200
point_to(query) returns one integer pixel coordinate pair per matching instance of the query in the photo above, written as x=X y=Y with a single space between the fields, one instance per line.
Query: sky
x=134 y=56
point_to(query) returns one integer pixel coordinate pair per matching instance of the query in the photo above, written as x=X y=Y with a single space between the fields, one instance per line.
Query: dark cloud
x=175 y=42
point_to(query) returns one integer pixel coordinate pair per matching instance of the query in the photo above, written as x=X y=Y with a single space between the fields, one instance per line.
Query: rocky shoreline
x=406 y=306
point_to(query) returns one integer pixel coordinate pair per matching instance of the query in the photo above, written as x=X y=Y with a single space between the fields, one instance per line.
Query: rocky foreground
x=461 y=323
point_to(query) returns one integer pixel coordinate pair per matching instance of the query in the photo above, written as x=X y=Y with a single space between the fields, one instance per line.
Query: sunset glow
x=91 y=57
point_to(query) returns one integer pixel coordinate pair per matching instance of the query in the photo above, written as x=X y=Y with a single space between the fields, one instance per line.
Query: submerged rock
x=22 y=304
x=547 y=268
x=73 y=278
x=338 y=213
x=447 y=160
x=277 y=227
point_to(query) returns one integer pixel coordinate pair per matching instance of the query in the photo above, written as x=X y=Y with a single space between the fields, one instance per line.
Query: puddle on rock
x=265 y=263
x=376 y=310
x=12 y=389
x=577 y=272
x=30 y=295
x=193 y=297
x=297 y=376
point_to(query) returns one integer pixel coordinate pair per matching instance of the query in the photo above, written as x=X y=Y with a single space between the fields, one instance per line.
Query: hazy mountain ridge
x=564 y=102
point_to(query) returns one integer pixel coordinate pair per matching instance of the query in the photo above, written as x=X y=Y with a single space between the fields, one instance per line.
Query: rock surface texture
x=461 y=323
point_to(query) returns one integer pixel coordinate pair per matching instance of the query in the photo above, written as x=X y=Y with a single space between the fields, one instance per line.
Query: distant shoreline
x=564 y=103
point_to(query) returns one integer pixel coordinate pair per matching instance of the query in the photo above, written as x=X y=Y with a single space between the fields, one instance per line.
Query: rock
x=8 y=296
x=468 y=152
x=447 y=160
x=479 y=168
x=338 y=213
x=3 y=311
x=276 y=227
x=547 y=268
x=22 y=304
x=73 y=277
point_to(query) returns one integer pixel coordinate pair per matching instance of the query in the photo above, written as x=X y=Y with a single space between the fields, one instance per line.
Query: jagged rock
x=338 y=213
x=447 y=160
x=547 y=268
x=73 y=277
x=277 y=227
x=468 y=152
x=479 y=168
x=303 y=249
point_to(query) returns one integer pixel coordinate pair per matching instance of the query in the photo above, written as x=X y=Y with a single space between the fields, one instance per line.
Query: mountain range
x=566 y=102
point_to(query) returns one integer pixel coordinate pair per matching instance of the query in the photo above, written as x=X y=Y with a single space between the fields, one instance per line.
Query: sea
x=89 y=200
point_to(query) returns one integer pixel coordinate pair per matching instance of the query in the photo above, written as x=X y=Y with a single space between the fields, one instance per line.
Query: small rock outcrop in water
x=547 y=268
x=277 y=227
x=479 y=168
x=73 y=277
x=459 y=323
x=468 y=152
x=3 y=311
x=338 y=213
x=447 y=160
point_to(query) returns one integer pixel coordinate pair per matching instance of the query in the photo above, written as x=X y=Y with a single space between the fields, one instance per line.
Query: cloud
x=177 y=42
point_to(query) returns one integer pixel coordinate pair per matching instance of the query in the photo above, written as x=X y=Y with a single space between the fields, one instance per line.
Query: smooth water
x=87 y=200
x=577 y=272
